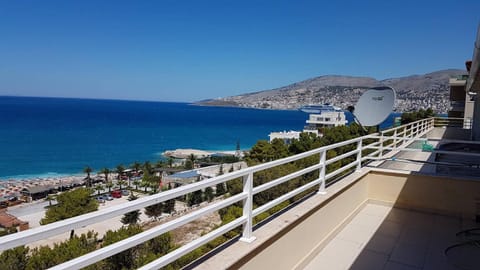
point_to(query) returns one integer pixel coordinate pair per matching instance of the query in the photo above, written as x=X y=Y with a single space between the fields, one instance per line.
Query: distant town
x=413 y=93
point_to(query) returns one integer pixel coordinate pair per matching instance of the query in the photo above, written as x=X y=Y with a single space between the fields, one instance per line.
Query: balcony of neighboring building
x=457 y=90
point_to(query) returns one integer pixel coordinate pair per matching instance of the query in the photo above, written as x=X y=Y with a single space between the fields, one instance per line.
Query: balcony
x=386 y=207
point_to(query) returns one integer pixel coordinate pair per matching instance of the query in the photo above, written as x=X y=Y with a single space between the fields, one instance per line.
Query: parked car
x=125 y=192
x=116 y=194
x=108 y=197
x=100 y=199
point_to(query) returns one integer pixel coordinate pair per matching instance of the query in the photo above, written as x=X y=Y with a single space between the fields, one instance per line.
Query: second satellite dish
x=374 y=106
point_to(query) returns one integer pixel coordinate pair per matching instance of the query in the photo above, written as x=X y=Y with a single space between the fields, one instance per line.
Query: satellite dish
x=374 y=106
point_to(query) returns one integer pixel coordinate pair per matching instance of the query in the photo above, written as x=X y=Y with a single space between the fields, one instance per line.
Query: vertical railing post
x=247 y=208
x=380 y=154
x=321 y=173
x=395 y=139
x=359 y=155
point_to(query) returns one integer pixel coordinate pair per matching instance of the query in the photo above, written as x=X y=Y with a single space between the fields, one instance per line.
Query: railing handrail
x=409 y=132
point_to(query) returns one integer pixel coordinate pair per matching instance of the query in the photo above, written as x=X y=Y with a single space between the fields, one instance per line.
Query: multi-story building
x=326 y=119
x=461 y=101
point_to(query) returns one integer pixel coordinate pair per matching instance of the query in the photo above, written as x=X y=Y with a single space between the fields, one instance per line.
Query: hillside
x=413 y=92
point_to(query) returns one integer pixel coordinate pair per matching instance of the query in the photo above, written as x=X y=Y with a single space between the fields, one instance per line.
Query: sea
x=53 y=137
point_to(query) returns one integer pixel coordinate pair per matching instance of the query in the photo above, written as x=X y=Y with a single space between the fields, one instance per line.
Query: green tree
x=234 y=186
x=147 y=167
x=169 y=206
x=105 y=172
x=70 y=204
x=154 y=211
x=145 y=185
x=14 y=259
x=209 y=194
x=98 y=188
x=195 y=198
x=160 y=164
x=408 y=117
x=161 y=245
x=109 y=185
x=170 y=162
x=220 y=189
x=88 y=171
x=261 y=152
x=192 y=159
x=136 y=166
x=121 y=183
x=220 y=170
x=50 y=198
x=125 y=259
x=119 y=170
x=136 y=183
x=45 y=257
x=133 y=217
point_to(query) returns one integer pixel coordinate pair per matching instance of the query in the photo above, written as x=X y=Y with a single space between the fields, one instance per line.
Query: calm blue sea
x=55 y=136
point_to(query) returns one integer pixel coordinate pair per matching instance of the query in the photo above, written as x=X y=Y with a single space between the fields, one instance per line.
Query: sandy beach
x=185 y=153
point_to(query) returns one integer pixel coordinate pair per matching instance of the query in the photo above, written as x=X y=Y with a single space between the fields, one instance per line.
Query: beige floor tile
x=416 y=236
x=369 y=260
x=381 y=243
x=357 y=234
x=377 y=210
x=390 y=228
x=398 y=266
x=371 y=221
x=338 y=254
x=409 y=254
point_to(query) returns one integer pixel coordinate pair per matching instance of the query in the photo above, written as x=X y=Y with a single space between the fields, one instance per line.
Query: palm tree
x=50 y=198
x=170 y=162
x=119 y=170
x=154 y=187
x=145 y=185
x=88 y=170
x=109 y=186
x=106 y=172
x=192 y=159
x=120 y=183
x=136 y=166
x=147 y=167
x=133 y=217
x=136 y=183
x=98 y=188
x=159 y=164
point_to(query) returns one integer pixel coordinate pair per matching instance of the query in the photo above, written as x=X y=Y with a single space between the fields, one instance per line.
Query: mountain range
x=414 y=92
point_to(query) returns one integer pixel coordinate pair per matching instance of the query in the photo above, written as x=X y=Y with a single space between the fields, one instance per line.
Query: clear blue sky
x=193 y=50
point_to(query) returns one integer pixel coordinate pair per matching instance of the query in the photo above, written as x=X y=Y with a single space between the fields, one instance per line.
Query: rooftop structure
x=286 y=136
x=8 y=221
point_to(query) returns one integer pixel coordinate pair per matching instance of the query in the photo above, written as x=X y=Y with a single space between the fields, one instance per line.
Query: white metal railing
x=466 y=123
x=383 y=142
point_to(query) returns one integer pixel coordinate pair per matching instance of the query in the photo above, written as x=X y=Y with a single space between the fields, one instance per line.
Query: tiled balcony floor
x=382 y=237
